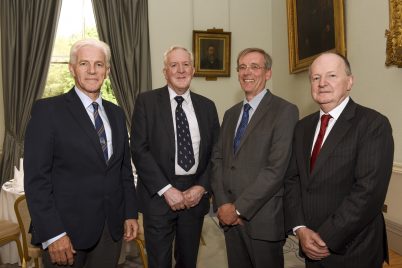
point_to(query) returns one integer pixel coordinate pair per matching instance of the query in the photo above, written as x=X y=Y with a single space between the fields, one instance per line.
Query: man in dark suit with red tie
x=339 y=174
x=78 y=176
x=173 y=131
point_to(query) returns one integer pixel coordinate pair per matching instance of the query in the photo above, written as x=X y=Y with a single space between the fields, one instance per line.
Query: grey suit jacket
x=342 y=198
x=252 y=178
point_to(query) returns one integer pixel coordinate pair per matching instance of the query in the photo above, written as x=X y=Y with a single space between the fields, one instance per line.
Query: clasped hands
x=227 y=215
x=312 y=244
x=178 y=200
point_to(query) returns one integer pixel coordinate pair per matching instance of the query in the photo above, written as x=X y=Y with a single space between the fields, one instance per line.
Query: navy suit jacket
x=68 y=185
x=342 y=198
x=153 y=147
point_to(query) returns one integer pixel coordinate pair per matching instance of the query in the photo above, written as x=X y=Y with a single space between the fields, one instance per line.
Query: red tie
x=317 y=146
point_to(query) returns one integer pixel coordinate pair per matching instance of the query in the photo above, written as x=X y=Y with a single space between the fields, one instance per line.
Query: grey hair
x=93 y=43
x=267 y=57
x=173 y=48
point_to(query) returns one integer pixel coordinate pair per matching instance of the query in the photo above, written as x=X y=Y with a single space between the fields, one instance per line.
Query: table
x=8 y=195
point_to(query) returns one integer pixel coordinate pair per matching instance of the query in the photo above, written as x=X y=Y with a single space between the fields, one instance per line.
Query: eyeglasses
x=253 y=67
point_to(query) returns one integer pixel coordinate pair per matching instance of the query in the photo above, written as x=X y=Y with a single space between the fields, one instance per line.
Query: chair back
x=24 y=220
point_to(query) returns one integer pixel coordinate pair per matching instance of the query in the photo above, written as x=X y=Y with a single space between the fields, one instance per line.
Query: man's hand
x=174 y=198
x=227 y=215
x=130 y=229
x=61 y=251
x=312 y=244
x=193 y=195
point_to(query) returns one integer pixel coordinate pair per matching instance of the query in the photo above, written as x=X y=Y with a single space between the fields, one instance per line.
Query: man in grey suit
x=173 y=181
x=339 y=173
x=249 y=164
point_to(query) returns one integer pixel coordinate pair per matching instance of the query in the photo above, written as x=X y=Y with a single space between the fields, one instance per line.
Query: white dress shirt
x=188 y=108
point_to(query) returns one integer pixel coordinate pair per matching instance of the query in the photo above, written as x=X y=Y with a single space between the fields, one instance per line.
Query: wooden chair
x=10 y=232
x=24 y=220
x=140 y=241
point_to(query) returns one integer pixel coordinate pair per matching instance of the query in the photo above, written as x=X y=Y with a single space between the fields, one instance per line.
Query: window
x=76 y=21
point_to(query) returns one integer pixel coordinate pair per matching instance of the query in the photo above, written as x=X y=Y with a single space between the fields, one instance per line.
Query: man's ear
x=71 y=69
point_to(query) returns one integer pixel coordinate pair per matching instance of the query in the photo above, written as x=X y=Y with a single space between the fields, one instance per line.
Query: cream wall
x=173 y=21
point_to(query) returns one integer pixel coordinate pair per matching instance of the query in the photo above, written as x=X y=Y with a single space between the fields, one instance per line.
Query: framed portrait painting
x=211 y=53
x=314 y=27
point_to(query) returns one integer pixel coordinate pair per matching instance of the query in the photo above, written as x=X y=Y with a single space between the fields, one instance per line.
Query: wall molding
x=397 y=168
x=394 y=233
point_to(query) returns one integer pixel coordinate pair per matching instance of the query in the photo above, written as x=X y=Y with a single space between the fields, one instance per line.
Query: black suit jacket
x=68 y=185
x=153 y=147
x=342 y=198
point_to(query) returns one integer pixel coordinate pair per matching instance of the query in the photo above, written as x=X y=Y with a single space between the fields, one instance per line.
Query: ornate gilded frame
x=221 y=40
x=298 y=62
x=394 y=34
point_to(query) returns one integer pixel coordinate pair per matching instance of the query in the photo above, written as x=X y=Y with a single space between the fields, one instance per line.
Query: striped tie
x=100 y=129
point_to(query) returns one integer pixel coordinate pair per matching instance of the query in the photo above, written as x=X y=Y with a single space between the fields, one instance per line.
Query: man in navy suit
x=78 y=177
x=339 y=174
x=173 y=184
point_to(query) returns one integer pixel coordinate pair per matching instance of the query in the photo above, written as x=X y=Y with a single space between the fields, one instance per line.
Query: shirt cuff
x=51 y=240
x=164 y=189
x=296 y=228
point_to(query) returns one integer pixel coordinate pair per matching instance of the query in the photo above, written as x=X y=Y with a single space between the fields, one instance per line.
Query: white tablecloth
x=8 y=195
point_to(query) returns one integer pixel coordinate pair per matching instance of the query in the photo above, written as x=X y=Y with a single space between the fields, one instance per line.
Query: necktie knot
x=179 y=100
x=95 y=105
x=325 y=119
x=246 y=108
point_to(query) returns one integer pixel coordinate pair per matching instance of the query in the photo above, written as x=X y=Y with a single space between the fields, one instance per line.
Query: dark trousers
x=245 y=252
x=105 y=254
x=183 y=227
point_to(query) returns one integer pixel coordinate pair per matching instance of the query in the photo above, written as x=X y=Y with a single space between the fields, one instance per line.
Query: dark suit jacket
x=252 y=178
x=342 y=198
x=153 y=147
x=68 y=185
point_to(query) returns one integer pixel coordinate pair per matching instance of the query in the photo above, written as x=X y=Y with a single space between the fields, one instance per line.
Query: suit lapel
x=308 y=139
x=339 y=130
x=202 y=124
x=111 y=116
x=232 y=124
x=80 y=114
x=166 y=115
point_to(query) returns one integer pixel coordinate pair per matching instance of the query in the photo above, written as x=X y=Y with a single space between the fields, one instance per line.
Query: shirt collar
x=256 y=100
x=87 y=101
x=186 y=95
x=336 y=112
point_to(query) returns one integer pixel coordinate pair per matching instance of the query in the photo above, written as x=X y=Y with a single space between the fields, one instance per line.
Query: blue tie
x=242 y=127
x=100 y=129
x=185 y=153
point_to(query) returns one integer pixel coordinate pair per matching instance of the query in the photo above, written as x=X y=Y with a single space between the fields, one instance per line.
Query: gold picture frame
x=211 y=53
x=314 y=27
x=394 y=34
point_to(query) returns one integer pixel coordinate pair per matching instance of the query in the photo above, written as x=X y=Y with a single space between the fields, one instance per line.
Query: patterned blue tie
x=185 y=153
x=242 y=127
x=100 y=129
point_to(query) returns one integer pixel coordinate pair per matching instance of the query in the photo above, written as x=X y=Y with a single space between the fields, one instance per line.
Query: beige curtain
x=27 y=34
x=123 y=25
